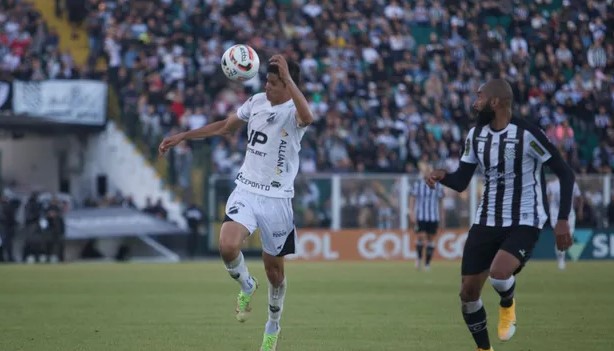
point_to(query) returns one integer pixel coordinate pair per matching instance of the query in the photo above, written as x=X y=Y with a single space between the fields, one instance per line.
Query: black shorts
x=428 y=227
x=484 y=242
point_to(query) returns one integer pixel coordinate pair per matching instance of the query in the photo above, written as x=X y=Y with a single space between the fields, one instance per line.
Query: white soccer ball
x=240 y=62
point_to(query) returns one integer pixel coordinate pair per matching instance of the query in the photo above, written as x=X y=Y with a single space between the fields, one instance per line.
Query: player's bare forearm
x=223 y=127
x=303 y=112
x=205 y=131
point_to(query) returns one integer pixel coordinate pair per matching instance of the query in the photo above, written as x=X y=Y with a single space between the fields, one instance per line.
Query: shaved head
x=499 y=88
x=494 y=97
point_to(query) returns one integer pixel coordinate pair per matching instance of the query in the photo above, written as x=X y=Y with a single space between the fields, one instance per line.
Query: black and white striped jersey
x=427 y=201
x=511 y=162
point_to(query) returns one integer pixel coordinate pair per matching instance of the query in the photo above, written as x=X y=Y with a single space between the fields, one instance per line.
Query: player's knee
x=229 y=249
x=469 y=293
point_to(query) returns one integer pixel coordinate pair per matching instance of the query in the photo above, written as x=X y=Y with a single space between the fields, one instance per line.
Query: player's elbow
x=458 y=186
x=305 y=118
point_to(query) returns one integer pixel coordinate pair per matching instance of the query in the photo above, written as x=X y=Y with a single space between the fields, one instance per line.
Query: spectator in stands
x=54 y=231
x=8 y=227
x=195 y=219
x=159 y=210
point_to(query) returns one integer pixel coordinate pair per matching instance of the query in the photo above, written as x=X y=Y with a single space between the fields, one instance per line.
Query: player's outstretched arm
x=458 y=180
x=223 y=127
x=545 y=152
x=303 y=112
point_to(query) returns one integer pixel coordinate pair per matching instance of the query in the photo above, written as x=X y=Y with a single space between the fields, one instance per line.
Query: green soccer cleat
x=244 y=308
x=269 y=342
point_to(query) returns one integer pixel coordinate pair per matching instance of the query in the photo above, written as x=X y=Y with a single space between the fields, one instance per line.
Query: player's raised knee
x=229 y=247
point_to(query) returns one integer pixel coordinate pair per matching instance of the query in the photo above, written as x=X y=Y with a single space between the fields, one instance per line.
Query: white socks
x=502 y=285
x=238 y=271
x=276 y=305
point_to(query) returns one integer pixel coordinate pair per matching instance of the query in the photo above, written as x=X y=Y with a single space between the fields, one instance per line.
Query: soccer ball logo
x=240 y=62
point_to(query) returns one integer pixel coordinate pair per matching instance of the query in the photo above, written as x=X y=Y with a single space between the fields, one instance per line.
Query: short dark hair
x=293 y=68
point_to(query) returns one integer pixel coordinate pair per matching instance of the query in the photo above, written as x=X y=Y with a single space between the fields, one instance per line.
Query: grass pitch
x=329 y=306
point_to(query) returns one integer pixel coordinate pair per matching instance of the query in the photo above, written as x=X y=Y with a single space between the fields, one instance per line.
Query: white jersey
x=553 y=189
x=274 y=140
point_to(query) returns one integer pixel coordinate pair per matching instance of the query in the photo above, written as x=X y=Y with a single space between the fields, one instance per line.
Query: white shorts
x=273 y=216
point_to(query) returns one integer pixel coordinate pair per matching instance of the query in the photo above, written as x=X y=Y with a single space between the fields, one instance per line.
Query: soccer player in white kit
x=276 y=122
x=553 y=189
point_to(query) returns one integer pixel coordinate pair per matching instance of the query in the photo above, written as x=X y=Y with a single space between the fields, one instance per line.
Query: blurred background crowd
x=400 y=75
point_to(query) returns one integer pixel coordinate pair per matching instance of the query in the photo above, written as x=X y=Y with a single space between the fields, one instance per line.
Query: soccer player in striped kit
x=511 y=153
x=426 y=214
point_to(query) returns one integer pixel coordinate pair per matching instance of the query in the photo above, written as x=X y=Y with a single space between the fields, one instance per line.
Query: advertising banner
x=363 y=245
x=79 y=102
x=589 y=244
x=372 y=245
x=399 y=245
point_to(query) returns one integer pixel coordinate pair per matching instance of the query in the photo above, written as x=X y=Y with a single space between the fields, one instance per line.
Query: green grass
x=329 y=306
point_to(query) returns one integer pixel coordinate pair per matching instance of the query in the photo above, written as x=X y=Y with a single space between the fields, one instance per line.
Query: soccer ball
x=240 y=62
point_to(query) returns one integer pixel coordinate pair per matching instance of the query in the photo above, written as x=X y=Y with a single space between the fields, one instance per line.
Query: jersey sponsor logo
x=484 y=139
x=537 y=148
x=256 y=152
x=493 y=174
x=274 y=309
x=256 y=137
x=234 y=208
x=252 y=184
x=279 y=234
x=271 y=117
x=281 y=157
x=511 y=140
x=275 y=184
x=509 y=153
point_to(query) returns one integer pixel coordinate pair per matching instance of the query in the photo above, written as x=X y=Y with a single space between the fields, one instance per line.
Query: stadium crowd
x=399 y=75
